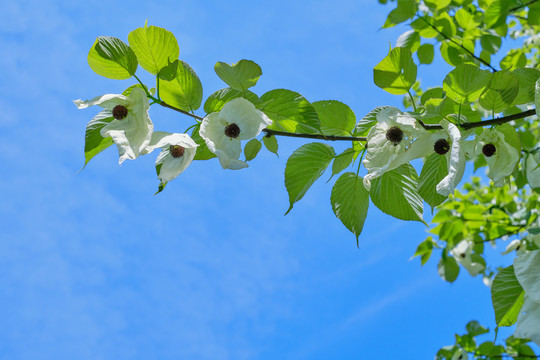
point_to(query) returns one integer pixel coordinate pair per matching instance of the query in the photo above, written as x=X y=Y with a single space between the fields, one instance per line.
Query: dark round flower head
x=176 y=151
x=489 y=150
x=441 y=146
x=394 y=135
x=119 y=112
x=232 y=130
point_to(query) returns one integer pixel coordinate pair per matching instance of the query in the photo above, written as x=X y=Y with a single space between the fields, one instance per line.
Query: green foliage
x=336 y=118
x=252 y=148
x=395 y=193
x=396 y=73
x=155 y=47
x=404 y=11
x=181 y=87
x=465 y=83
x=217 y=100
x=270 y=142
x=448 y=269
x=290 y=112
x=94 y=143
x=240 y=76
x=112 y=58
x=304 y=167
x=202 y=150
x=507 y=296
x=342 y=160
x=350 y=202
x=425 y=53
x=434 y=170
x=501 y=92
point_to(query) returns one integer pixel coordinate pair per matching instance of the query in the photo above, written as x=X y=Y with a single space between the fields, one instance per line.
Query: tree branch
x=460 y=45
x=522 y=6
x=429 y=127
x=314 y=136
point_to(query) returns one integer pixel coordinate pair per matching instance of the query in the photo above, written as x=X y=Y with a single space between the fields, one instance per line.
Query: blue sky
x=93 y=266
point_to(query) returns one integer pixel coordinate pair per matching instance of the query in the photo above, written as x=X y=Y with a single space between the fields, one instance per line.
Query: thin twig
x=458 y=44
x=522 y=6
x=314 y=136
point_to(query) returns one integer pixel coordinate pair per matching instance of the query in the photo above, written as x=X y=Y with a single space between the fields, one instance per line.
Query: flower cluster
x=397 y=138
x=131 y=129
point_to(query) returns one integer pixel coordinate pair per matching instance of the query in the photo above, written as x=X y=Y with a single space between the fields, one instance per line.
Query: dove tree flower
x=518 y=245
x=131 y=129
x=177 y=152
x=222 y=131
x=500 y=156
x=462 y=252
x=527 y=270
x=387 y=140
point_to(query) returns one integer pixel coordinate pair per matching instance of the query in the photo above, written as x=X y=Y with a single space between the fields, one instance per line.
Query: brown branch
x=314 y=136
x=495 y=121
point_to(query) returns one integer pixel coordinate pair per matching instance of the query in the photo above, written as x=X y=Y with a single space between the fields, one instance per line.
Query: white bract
x=500 y=156
x=223 y=130
x=131 y=131
x=387 y=140
x=463 y=255
x=527 y=270
x=460 y=354
x=519 y=246
x=177 y=152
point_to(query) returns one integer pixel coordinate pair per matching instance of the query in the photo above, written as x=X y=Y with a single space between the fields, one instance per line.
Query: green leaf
x=424 y=250
x=437 y=4
x=184 y=90
x=507 y=297
x=217 y=100
x=161 y=184
x=425 y=53
x=240 y=76
x=474 y=328
x=112 y=58
x=270 y=142
x=409 y=40
x=396 y=73
x=395 y=194
x=341 y=161
x=350 y=202
x=304 y=167
x=501 y=92
x=510 y=136
x=155 y=47
x=453 y=54
x=405 y=10
x=496 y=13
x=465 y=83
x=527 y=79
x=252 y=148
x=433 y=93
x=367 y=122
x=94 y=143
x=533 y=16
x=490 y=43
x=445 y=24
x=466 y=20
x=515 y=58
x=434 y=170
x=448 y=269
x=336 y=118
x=202 y=150
x=290 y=112
x=128 y=91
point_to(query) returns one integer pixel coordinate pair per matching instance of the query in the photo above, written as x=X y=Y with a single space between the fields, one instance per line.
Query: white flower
x=527 y=270
x=223 y=130
x=177 y=152
x=131 y=130
x=444 y=142
x=460 y=354
x=532 y=169
x=520 y=246
x=463 y=255
x=500 y=156
x=387 y=140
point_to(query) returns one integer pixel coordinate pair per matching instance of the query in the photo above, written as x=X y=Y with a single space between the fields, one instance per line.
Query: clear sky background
x=93 y=266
